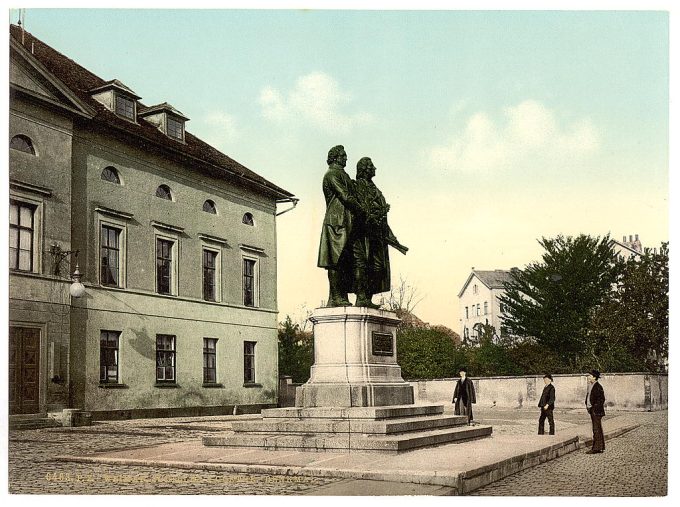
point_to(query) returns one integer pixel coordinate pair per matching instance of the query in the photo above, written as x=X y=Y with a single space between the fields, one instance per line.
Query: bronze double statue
x=355 y=235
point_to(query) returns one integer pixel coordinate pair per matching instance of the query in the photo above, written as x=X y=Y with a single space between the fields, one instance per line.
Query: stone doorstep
x=369 y=443
x=384 y=426
x=373 y=413
x=33 y=423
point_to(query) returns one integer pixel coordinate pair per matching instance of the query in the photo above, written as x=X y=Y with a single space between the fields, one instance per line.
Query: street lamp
x=77 y=289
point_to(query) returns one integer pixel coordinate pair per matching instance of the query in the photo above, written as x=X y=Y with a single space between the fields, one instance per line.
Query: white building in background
x=478 y=301
x=627 y=248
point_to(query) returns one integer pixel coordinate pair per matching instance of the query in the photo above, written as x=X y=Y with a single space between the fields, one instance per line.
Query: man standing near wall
x=464 y=395
x=595 y=406
x=547 y=404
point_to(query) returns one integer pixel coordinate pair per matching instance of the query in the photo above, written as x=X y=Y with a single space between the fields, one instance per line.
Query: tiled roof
x=81 y=82
x=494 y=279
x=162 y=107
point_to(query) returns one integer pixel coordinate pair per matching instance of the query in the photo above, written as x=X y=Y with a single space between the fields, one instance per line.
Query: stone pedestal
x=355 y=399
x=355 y=360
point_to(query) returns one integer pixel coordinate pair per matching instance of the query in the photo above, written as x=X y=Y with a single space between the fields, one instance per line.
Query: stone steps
x=372 y=413
x=349 y=441
x=373 y=429
x=382 y=426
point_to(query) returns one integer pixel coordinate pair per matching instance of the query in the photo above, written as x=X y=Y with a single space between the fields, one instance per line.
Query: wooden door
x=24 y=370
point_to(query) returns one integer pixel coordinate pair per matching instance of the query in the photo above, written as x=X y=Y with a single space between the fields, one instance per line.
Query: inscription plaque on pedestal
x=382 y=344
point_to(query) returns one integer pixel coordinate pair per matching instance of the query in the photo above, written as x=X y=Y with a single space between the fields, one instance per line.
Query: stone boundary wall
x=623 y=391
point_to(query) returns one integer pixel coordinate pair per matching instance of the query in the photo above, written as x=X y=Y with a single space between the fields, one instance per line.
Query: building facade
x=176 y=243
x=479 y=304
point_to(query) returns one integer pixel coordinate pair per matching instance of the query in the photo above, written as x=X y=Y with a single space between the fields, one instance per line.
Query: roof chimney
x=636 y=237
x=630 y=238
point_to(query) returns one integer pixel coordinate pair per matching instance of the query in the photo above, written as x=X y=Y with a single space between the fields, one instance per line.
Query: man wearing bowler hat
x=595 y=406
x=464 y=395
x=547 y=404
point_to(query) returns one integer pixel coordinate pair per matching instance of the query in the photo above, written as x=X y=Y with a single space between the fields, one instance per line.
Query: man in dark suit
x=547 y=404
x=464 y=395
x=595 y=406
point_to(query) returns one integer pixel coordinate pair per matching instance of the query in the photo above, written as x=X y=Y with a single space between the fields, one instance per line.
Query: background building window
x=163 y=191
x=209 y=360
x=165 y=358
x=209 y=207
x=22 y=143
x=486 y=308
x=110 y=256
x=125 y=107
x=248 y=219
x=467 y=314
x=108 y=356
x=21 y=235
x=164 y=266
x=209 y=270
x=175 y=129
x=248 y=282
x=479 y=311
x=110 y=174
x=249 y=362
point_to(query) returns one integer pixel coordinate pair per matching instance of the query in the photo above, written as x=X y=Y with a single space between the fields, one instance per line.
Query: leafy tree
x=427 y=353
x=296 y=351
x=630 y=332
x=487 y=357
x=553 y=301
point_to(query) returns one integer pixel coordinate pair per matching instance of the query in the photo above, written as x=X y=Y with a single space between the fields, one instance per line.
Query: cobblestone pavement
x=635 y=464
x=33 y=470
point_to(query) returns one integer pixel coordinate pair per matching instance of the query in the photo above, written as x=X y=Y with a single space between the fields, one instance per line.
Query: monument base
x=355 y=360
x=355 y=399
x=350 y=395
x=366 y=429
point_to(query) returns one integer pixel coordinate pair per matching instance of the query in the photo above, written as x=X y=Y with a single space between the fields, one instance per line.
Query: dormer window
x=117 y=97
x=175 y=128
x=125 y=107
x=167 y=119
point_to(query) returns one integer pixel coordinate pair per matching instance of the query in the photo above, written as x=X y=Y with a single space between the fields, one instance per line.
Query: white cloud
x=528 y=131
x=315 y=99
x=222 y=129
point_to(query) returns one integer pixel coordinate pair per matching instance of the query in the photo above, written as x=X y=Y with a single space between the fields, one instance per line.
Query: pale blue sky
x=489 y=129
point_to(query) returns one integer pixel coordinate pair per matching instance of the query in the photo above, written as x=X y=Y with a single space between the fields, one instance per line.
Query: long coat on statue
x=337 y=223
x=464 y=393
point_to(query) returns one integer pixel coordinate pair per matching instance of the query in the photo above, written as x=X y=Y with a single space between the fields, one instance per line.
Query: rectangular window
x=165 y=358
x=108 y=356
x=479 y=312
x=248 y=282
x=125 y=107
x=209 y=360
x=249 y=362
x=175 y=129
x=486 y=308
x=110 y=256
x=209 y=271
x=467 y=315
x=21 y=235
x=164 y=249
